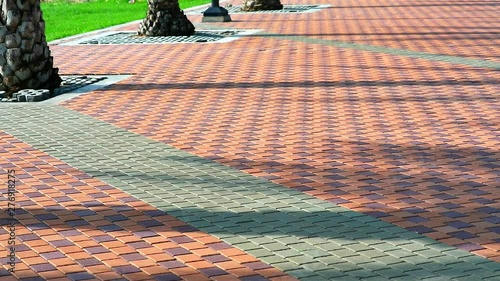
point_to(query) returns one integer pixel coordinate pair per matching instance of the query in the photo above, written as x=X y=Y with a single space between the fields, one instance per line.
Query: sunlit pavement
x=357 y=142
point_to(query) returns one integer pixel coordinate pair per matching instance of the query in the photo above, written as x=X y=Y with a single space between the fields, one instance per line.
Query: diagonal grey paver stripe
x=385 y=50
x=310 y=39
x=306 y=237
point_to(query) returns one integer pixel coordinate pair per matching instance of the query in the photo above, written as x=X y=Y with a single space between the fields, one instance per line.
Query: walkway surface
x=358 y=142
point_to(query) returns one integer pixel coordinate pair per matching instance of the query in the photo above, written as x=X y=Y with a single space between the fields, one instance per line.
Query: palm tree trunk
x=25 y=58
x=261 y=5
x=165 y=18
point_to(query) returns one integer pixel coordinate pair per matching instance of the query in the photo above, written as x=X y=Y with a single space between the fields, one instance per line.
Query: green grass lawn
x=64 y=18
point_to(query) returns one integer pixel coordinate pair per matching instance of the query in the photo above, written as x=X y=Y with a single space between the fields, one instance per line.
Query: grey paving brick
x=384 y=247
x=371 y=242
x=374 y=254
x=359 y=259
x=288 y=266
x=480 y=273
x=379 y=278
x=317 y=219
x=452 y=273
x=391 y=273
x=300 y=246
x=315 y=266
x=464 y=266
x=260 y=253
x=331 y=247
x=346 y=267
x=264 y=230
x=331 y=274
x=420 y=273
x=456 y=253
x=331 y=260
x=492 y=266
x=430 y=253
x=234 y=240
x=265 y=240
x=301 y=259
x=442 y=247
x=464 y=278
x=433 y=266
x=412 y=247
x=288 y=253
x=400 y=253
x=275 y=259
x=315 y=241
x=363 y=273
x=314 y=278
x=417 y=259
x=437 y=278
x=247 y=246
x=346 y=278
x=289 y=240
x=301 y=273
x=356 y=236
x=344 y=253
x=316 y=253
x=275 y=246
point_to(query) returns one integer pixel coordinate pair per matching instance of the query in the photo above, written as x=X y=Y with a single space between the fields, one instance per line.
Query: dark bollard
x=216 y=13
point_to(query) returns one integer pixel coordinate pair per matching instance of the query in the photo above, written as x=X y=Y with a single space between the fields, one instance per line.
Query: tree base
x=261 y=5
x=47 y=78
x=166 y=23
x=25 y=60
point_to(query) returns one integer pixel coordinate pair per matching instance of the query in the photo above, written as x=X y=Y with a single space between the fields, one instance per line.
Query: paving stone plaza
x=356 y=140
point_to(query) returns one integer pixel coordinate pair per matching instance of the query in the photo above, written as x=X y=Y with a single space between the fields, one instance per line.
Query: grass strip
x=65 y=18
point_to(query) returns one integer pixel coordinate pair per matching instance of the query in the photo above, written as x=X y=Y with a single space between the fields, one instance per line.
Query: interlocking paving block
x=288 y=253
x=275 y=259
x=391 y=273
x=314 y=278
x=289 y=240
x=191 y=175
x=420 y=273
x=430 y=253
x=301 y=274
x=495 y=267
x=300 y=246
x=316 y=253
x=109 y=207
x=417 y=259
x=479 y=273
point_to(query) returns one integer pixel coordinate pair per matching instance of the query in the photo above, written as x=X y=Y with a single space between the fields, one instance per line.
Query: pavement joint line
x=175 y=187
x=385 y=50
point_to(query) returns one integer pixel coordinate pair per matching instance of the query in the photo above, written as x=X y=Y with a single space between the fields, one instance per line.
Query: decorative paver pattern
x=406 y=134
x=337 y=136
x=294 y=232
x=71 y=226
